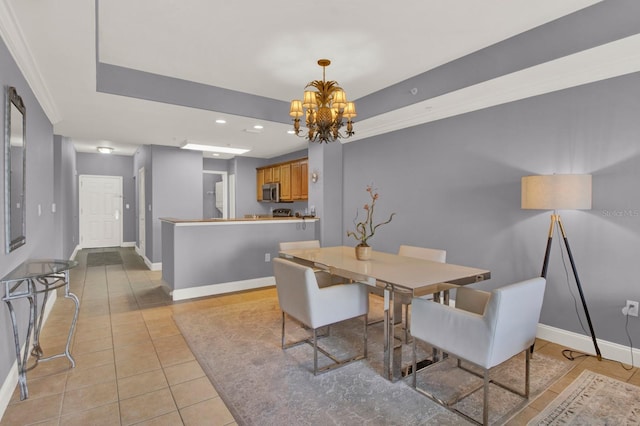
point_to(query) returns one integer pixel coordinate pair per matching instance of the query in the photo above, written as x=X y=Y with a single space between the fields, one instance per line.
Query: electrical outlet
x=631 y=308
x=267 y=258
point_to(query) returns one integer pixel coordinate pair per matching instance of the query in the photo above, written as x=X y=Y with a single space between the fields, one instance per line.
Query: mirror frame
x=12 y=242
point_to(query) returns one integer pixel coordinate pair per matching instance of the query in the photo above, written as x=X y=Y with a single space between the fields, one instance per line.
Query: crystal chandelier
x=326 y=107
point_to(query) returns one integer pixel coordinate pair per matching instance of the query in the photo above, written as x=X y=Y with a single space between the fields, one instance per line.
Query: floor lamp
x=560 y=192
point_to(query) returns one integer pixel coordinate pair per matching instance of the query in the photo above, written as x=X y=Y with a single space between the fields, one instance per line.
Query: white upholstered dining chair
x=323 y=276
x=404 y=300
x=302 y=299
x=291 y=245
x=484 y=329
x=425 y=253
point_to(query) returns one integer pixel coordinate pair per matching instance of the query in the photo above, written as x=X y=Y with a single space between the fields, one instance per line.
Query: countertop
x=237 y=220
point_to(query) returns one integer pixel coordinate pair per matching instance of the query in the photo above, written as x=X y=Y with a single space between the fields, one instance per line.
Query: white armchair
x=496 y=327
x=404 y=299
x=291 y=245
x=323 y=276
x=300 y=297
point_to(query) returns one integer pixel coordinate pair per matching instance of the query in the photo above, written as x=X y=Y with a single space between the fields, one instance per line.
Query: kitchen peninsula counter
x=202 y=257
x=246 y=219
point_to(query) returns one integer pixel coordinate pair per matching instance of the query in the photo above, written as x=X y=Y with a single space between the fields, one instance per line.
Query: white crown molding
x=13 y=37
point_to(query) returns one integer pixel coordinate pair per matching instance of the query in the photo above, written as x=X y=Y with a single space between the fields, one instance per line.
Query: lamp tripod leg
x=582 y=299
x=545 y=264
x=556 y=219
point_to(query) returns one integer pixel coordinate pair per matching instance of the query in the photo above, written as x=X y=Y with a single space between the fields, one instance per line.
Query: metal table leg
x=392 y=351
x=21 y=357
x=37 y=350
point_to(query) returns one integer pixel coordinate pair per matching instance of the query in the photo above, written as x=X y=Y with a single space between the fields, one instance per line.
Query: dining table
x=396 y=275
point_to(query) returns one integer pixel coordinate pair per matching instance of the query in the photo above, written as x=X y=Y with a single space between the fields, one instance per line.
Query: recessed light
x=211 y=148
x=105 y=149
x=291 y=132
x=221 y=121
x=258 y=126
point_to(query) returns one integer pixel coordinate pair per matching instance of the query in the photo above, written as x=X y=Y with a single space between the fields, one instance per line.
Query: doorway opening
x=215 y=195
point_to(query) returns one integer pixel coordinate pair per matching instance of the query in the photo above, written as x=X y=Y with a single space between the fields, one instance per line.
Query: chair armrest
x=337 y=303
x=472 y=300
x=466 y=334
x=326 y=279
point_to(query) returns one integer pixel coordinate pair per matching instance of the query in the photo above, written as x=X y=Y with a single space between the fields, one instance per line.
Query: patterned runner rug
x=238 y=346
x=593 y=399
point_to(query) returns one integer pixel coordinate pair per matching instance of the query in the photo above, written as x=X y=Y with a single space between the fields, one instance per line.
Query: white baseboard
x=10 y=382
x=152 y=266
x=230 y=287
x=582 y=343
x=128 y=244
x=75 y=252
x=7 y=388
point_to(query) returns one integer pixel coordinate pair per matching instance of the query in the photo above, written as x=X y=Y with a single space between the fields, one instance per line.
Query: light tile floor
x=133 y=367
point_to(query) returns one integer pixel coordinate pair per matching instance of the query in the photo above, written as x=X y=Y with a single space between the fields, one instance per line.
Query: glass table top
x=34 y=268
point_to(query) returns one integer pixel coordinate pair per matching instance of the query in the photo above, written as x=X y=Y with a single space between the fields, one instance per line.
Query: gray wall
x=455 y=185
x=245 y=171
x=115 y=165
x=326 y=194
x=176 y=185
x=43 y=237
x=142 y=158
x=215 y=164
x=66 y=195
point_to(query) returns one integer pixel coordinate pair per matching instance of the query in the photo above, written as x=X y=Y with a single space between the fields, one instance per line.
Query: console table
x=27 y=281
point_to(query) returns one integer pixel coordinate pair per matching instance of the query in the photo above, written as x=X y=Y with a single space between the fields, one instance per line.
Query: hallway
x=132 y=364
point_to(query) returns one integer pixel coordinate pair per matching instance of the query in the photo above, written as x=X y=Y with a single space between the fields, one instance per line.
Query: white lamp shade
x=309 y=99
x=350 y=110
x=339 y=99
x=296 y=108
x=556 y=192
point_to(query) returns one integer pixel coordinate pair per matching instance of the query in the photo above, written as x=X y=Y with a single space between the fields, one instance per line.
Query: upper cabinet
x=259 y=182
x=285 y=181
x=292 y=177
x=300 y=180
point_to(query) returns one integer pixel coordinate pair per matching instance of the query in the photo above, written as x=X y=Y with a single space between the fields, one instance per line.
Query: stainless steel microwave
x=271 y=193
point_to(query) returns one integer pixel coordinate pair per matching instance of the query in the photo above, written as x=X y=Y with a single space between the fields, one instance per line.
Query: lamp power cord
x=571 y=354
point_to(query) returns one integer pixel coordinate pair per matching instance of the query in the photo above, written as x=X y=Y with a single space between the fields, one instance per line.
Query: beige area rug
x=593 y=399
x=238 y=346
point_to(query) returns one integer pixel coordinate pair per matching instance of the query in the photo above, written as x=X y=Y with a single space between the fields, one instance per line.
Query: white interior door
x=142 y=213
x=100 y=211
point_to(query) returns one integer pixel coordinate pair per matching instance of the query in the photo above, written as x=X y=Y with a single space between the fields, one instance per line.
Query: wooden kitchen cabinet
x=304 y=180
x=293 y=177
x=268 y=175
x=285 y=182
x=300 y=180
x=259 y=183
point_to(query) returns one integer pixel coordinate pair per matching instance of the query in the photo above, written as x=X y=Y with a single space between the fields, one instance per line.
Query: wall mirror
x=15 y=125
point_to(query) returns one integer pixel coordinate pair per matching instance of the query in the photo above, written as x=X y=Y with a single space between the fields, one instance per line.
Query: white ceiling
x=270 y=49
